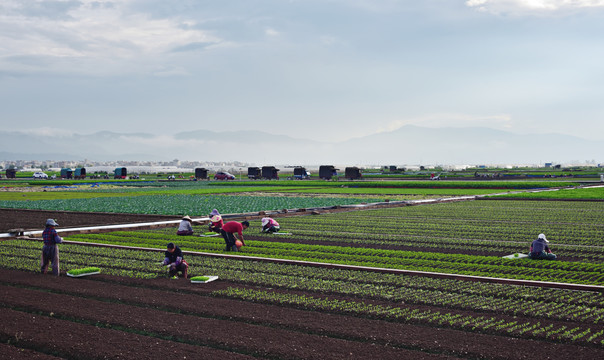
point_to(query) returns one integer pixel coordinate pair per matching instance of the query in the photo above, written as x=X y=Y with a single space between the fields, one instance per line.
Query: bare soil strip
x=162 y=308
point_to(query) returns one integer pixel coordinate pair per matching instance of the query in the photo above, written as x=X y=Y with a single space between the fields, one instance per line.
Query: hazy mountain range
x=407 y=145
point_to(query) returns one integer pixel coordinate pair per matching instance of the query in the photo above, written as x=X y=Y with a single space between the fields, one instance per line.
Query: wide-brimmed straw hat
x=186 y=217
x=216 y=218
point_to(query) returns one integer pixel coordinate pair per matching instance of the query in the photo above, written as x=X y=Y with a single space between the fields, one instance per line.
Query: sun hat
x=216 y=218
x=214 y=212
x=51 y=222
x=542 y=236
x=186 y=217
x=265 y=221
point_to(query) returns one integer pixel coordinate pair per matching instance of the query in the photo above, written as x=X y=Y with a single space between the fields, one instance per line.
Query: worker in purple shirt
x=540 y=249
x=50 y=250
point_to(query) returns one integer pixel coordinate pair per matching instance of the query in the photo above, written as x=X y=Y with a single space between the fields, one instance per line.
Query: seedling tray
x=84 y=274
x=516 y=256
x=210 y=279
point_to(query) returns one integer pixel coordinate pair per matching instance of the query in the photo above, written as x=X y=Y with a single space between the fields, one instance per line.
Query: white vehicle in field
x=40 y=175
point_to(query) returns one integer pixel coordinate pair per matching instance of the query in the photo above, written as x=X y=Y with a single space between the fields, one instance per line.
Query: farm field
x=279 y=310
x=592 y=193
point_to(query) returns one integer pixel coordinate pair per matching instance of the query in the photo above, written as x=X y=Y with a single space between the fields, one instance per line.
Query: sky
x=328 y=70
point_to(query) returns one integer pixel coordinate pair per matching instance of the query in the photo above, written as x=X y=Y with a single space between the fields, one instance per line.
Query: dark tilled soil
x=36 y=219
x=113 y=317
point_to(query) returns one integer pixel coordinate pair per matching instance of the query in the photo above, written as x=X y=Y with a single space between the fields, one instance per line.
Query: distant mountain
x=420 y=145
x=407 y=145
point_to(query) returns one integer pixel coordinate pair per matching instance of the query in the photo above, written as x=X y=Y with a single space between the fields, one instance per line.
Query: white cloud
x=171 y=71
x=328 y=40
x=94 y=31
x=271 y=32
x=533 y=6
x=48 y=132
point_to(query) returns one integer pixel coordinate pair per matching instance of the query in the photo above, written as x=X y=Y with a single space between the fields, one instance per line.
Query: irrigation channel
x=31 y=235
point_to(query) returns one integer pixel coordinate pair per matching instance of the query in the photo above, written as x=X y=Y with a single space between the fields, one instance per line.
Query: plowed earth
x=110 y=317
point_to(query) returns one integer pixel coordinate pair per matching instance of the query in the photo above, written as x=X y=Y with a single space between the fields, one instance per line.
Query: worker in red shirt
x=232 y=231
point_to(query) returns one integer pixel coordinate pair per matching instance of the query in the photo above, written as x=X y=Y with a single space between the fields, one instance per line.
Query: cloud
x=271 y=32
x=536 y=7
x=48 y=132
x=92 y=32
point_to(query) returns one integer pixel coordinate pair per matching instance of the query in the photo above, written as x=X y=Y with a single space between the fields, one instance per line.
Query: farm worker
x=228 y=232
x=50 y=251
x=540 y=249
x=175 y=259
x=185 y=227
x=270 y=225
x=215 y=221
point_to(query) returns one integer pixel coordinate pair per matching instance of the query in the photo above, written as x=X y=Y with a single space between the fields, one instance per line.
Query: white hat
x=51 y=222
x=265 y=221
x=186 y=217
x=542 y=236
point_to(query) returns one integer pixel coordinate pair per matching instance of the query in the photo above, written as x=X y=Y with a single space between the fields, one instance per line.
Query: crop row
x=493 y=325
x=505 y=299
x=573 y=272
x=579 y=193
x=344 y=235
x=567 y=223
x=178 y=204
x=495 y=184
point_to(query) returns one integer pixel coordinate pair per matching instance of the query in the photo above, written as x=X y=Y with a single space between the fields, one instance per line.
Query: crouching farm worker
x=185 y=227
x=270 y=225
x=228 y=232
x=174 y=258
x=540 y=250
x=215 y=221
x=50 y=251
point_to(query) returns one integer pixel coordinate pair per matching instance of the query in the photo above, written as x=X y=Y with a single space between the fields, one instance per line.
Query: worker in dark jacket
x=50 y=250
x=540 y=250
x=175 y=260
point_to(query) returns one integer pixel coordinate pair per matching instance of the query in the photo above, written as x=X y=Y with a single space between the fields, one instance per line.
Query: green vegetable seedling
x=83 y=272
x=203 y=279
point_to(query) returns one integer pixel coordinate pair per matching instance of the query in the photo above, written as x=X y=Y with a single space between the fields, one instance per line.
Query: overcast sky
x=323 y=70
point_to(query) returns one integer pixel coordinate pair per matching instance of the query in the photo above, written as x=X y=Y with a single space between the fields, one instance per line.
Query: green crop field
x=461 y=237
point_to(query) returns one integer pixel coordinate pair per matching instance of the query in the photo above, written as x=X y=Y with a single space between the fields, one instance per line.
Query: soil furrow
x=178 y=296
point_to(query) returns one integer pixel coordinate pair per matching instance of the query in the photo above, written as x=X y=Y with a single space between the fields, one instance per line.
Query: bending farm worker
x=185 y=227
x=50 y=250
x=175 y=259
x=270 y=225
x=540 y=249
x=216 y=222
x=232 y=229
